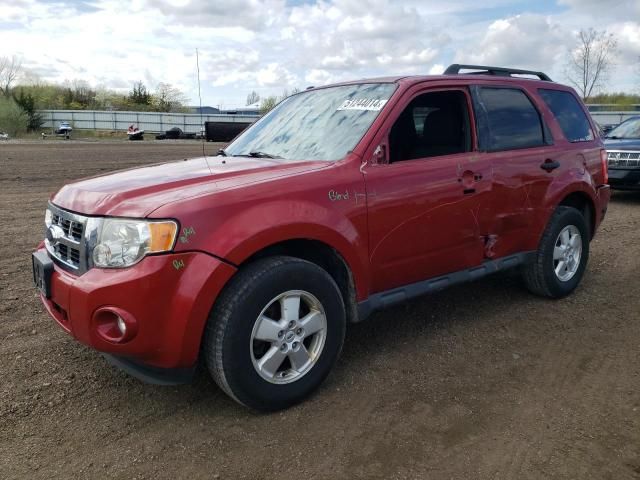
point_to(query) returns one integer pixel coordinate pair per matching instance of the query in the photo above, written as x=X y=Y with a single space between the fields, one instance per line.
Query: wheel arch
x=582 y=202
x=319 y=253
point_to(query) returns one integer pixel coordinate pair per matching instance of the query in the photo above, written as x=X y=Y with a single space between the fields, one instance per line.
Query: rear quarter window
x=569 y=114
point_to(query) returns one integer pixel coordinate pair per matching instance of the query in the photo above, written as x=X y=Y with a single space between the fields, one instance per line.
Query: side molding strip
x=382 y=300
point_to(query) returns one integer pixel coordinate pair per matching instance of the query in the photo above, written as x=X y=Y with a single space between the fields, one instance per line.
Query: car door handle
x=549 y=165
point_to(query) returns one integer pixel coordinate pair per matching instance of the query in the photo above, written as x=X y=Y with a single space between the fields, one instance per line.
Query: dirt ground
x=480 y=381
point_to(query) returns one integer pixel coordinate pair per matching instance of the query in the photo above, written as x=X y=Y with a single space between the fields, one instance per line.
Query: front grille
x=623 y=158
x=68 y=251
x=71 y=228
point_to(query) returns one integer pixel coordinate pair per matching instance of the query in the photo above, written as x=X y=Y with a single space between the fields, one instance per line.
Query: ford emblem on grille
x=54 y=234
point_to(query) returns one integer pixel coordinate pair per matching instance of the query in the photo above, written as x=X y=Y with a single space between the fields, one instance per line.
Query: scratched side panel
x=421 y=223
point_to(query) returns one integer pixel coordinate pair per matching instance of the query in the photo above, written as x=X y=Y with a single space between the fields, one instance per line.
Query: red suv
x=340 y=201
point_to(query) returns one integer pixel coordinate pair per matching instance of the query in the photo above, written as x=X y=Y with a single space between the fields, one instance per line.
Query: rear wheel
x=562 y=255
x=275 y=332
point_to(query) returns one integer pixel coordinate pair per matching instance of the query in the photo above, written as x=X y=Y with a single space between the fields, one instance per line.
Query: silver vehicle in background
x=64 y=130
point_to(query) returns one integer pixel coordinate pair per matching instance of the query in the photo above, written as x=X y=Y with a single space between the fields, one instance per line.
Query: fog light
x=115 y=325
x=122 y=326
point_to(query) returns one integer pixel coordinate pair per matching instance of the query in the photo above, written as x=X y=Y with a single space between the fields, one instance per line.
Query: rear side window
x=513 y=121
x=570 y=115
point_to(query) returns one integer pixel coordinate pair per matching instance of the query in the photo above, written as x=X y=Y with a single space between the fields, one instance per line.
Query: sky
x=269 y=46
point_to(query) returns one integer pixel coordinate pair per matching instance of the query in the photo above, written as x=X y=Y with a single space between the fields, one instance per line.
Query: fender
x=556 y=197
x=237 y=230
x=572 y=181
x=333 y=230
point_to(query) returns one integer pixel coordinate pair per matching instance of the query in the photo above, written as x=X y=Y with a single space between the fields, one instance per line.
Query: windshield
x=323 y=124
x=628 y=129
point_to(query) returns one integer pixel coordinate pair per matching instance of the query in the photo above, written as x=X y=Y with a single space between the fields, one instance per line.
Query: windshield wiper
x=259 y=154
x=614 y=137
x=256 y=154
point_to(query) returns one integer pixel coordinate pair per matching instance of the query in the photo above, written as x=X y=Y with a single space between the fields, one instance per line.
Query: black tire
x=227 y=343
x=539 y=275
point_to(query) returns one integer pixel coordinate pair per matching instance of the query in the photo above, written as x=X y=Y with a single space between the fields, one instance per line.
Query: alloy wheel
x=567 y=253
x=288 y=337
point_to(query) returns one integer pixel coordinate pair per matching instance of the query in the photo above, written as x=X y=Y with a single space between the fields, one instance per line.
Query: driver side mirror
x=380 y=154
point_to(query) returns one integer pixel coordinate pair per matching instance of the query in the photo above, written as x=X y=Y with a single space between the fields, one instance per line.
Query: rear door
x=514 y=137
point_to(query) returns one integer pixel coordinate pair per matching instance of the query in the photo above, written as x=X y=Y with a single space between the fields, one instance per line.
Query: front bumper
x=624 y=178
x=169 y=298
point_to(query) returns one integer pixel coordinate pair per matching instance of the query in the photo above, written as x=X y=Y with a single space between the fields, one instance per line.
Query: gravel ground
x=480 y=381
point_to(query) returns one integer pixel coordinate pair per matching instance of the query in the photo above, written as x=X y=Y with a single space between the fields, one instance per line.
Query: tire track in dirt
x=481 y=381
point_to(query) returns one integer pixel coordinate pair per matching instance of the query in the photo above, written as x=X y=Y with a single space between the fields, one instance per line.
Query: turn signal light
x=162 y=236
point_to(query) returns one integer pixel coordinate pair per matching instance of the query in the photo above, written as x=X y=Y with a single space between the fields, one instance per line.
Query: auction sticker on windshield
x=363 y=104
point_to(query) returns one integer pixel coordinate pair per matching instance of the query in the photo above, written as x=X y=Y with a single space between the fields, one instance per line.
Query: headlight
x=122 y=243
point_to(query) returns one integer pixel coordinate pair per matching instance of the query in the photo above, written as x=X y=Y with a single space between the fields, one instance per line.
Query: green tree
x=139 y=95
x=268 y=103
x=28 y=105
x=13 y=120
x=618 y=101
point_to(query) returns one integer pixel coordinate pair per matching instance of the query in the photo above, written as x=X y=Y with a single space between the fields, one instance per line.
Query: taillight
x=605 y=168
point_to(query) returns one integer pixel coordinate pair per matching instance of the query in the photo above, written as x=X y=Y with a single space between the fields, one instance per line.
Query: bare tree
x=252 y=98
x=167 y=98
x=590 y=62
x=9 y=70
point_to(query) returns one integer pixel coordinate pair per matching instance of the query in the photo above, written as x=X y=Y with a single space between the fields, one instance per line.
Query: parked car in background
x=4 y=136
x=606 y=128
x=63 y=129
x=340 y=201
x=623 y=155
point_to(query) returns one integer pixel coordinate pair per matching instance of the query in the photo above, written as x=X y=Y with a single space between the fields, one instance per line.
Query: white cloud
x=272 y=45
x=318 y=77
x=629 y=40
x=275 y=75
x=524 y=41
x=436 y=69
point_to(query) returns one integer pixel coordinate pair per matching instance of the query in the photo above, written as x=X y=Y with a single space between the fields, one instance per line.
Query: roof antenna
x=202 y=129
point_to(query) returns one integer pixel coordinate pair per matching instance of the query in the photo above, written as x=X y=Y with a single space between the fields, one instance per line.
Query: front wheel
x=562 y=255
x=275 y=332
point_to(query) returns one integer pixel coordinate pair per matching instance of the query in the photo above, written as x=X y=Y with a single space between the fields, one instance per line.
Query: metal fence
x=608 y=107
x=612 y=118
x=193 y=122
x=148 y=121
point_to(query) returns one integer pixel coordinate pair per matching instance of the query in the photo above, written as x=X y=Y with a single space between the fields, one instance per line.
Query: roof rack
x=497 y=71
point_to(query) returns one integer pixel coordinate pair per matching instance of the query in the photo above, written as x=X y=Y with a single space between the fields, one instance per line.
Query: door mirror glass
x=380 y=155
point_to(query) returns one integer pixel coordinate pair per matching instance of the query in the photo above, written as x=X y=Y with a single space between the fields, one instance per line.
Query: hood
x=622 y=144
x=137 y=192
